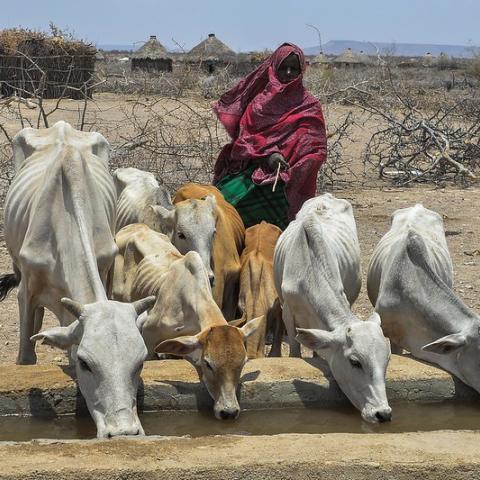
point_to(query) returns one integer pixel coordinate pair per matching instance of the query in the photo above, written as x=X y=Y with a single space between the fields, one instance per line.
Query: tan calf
x=227 y=246
x=257 y=287
x=148 y=262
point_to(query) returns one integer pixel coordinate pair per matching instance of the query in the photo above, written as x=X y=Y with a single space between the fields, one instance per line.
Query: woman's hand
x=274 y=160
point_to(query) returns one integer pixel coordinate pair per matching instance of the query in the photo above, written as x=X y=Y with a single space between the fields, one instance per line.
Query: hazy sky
x=253 y=24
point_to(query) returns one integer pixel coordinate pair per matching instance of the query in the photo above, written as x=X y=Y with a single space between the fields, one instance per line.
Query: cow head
x=460 y=353
x=219 y=354
x=358 y=356
x=190 y=225
x=109 y=358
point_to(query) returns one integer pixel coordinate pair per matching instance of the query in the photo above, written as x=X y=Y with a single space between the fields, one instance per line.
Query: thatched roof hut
x=428 y=60
x=152 y=56
x=365 y=59
x=33 y=64
x=349 y=58
x=211 y=53
x=321 y=60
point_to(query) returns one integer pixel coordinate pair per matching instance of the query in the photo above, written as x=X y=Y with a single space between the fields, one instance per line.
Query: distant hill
x=122 y=48
x=336 y=47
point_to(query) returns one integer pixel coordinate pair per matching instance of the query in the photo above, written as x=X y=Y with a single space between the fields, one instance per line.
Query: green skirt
x=253 y=202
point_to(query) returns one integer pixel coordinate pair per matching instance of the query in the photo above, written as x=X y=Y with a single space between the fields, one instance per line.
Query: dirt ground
x=373 y=208
x=425 y=455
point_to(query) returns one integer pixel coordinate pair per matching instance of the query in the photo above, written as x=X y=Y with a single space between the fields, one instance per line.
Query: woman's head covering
x=262 y=115
x=232 y=104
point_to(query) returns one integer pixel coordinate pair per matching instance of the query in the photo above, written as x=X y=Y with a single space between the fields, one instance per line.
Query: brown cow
x=257 y=288
x=227 y=246
x=184 y=306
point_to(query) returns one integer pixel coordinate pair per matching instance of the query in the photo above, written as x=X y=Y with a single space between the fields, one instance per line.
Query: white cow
x=139 y=195
x=189 y=224
x=317 y=275
x=185 y=319
x=410 y=284
x=59 y=222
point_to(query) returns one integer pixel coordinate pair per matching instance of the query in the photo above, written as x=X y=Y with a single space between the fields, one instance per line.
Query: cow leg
x=218 y=290
x=116 y=287
x=231 y=289
x=26 y=351
x=39 y=313
x=275 y=324
x=256 y=342
x=289 y=321
x=396 y=349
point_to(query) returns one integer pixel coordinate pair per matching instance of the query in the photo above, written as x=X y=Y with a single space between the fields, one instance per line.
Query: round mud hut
x=350 y=59
x=212 y=54
x=34 y=64
x=428 y=60
x=320 y=61
x=151 y=57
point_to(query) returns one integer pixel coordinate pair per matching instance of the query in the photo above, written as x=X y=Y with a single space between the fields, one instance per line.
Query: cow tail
x=8 y=281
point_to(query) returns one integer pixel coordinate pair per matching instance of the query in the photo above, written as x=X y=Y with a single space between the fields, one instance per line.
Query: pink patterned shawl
x=264 y=116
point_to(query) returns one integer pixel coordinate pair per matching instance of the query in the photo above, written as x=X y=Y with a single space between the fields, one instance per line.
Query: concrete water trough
x=295 y=423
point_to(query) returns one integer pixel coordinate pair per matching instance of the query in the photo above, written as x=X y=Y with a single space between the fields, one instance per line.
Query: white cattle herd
x=131 y=275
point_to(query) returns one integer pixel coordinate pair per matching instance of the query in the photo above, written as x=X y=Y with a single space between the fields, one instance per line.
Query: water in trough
x=406 y=418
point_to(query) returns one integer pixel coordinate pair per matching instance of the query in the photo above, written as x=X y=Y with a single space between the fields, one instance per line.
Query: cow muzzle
x=384 y=415
x=229 y=413
x=227 y=409
x=377 y=415
x=124 y=422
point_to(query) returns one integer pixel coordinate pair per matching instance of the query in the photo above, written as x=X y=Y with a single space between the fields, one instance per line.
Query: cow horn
x=75 y=308
x=141 y=305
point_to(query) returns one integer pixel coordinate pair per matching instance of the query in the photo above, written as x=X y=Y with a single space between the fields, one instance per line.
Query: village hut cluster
x=34 y=64
x=212 y=55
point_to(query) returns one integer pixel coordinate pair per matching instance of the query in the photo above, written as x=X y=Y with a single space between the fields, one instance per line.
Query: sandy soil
x=373 y=208
x=429 y=455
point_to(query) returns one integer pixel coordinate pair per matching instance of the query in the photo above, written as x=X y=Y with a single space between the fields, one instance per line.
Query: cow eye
x=84 y=365
x=181 y=235
x=355 y=363
x=208 y=365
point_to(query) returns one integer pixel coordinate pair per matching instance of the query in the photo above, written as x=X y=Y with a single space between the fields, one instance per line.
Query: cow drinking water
x=59 y=223
x=410 y=284
x=185 y=320
x=317 y=274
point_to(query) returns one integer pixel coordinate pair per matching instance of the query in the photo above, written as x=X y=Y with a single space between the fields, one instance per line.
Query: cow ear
x=60 y=337
x=190 y=347
x=181 y=346
x=315 y=339
x=446 y=344
x=253 y=325
x=211 y=201
x=159 y=218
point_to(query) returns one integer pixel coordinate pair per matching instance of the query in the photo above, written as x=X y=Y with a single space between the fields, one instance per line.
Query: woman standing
x=278 y=141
